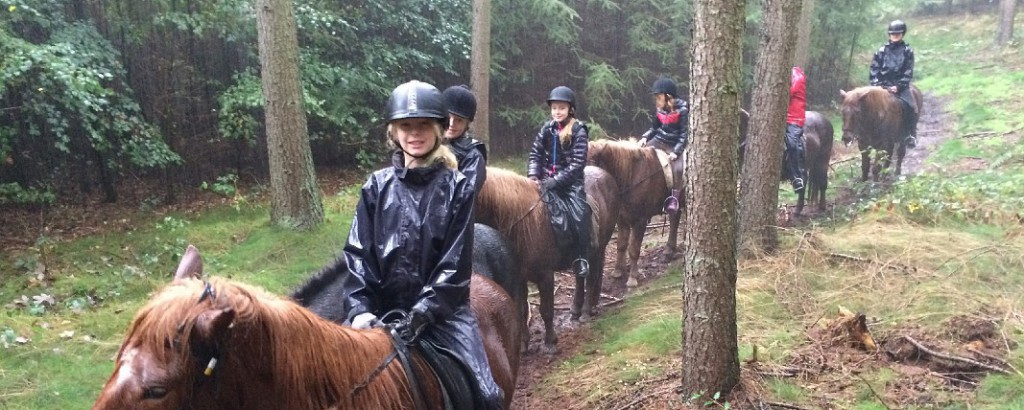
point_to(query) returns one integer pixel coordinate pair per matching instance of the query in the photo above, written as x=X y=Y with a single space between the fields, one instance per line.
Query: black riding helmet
x=664 y=85
x=460 y=101
x=416 y=99
x=897 y=27
x=563 y=93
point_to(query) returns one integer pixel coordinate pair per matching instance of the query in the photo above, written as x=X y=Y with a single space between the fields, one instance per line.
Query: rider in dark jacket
x=410 y=246
x=893 y=69
x=669 y=132
x=471 y=154
x=556 y=164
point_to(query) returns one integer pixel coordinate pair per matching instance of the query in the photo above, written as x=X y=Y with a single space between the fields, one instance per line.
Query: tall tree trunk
x=1007 y=10
x=710 y=353
x=294 y=195
x=759 y=182
x=803 y=37
x=480 y=67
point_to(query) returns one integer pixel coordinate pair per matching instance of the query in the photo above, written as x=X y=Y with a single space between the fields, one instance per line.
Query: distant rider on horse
x=555 y=165
x=668 y=133
x=892 y=68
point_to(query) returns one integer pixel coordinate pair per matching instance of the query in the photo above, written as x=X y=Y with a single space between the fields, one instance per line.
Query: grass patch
x=101 y=280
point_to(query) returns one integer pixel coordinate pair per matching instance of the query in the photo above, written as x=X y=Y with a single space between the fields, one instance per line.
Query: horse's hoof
x=549 y=349
x=631 y=283
x=617 y=273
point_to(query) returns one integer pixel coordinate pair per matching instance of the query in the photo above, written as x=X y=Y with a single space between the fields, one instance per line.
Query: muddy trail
x=934 y=127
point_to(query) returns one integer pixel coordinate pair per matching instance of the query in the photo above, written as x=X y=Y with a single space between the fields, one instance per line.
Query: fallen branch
x=872 y=388
x=982 y=134
x=950 y=357
x=644 y=398
x=890 y=265
x=783 y=405
x=999 y=360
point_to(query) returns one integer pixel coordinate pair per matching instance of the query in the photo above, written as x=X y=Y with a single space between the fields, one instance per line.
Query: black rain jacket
x=893 y=65
x=472 y=156
x=551 y=159
x=410 y=248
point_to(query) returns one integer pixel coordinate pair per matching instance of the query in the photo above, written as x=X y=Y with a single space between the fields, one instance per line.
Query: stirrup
x=798 y=184
x=911 y=141
x=671 y=205
x=581 y=267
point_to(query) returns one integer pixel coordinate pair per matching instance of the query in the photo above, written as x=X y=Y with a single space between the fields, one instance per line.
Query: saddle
x=459 y=393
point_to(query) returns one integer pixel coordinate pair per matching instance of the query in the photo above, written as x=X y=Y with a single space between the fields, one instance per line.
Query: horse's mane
x=510 y=203
x=627 y=162
x=314 y=362
x=327 y=276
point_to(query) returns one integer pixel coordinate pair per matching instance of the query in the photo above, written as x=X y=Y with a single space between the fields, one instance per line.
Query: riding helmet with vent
x=562 y=93
x=664 y=85
x=416 y=99
x=460 y=101
x=897 y=27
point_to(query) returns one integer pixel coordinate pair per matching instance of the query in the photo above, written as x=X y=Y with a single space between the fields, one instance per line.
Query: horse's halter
x=208 y=293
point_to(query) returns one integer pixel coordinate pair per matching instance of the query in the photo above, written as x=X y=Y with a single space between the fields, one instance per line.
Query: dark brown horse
x=272 y=353
x=874 y=117
x=643 y=188
x=818 y=138
x=512 y=204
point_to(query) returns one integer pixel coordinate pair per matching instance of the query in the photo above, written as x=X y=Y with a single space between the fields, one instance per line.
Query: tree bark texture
x=801 y=55
x=710 y=355
x=480 y=69
x=294 y=194
x=1007 y=10
x=759 y=180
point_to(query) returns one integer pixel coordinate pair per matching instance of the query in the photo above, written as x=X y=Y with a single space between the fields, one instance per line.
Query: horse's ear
x=191 y=265
x=213 y=325
x=842 y=93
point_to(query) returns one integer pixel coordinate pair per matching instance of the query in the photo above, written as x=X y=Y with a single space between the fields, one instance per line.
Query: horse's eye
x=152 y=393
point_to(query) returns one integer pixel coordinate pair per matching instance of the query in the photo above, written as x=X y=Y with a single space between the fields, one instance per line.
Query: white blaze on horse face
x=125 y=370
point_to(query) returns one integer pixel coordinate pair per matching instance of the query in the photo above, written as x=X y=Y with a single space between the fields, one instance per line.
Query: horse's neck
x=314 y=362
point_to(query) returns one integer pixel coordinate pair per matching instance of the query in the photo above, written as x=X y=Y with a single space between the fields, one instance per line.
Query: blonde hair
x=441 y=152
x=565 y=135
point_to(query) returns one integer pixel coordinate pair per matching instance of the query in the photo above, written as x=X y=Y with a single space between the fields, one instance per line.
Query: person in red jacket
x=794 y=160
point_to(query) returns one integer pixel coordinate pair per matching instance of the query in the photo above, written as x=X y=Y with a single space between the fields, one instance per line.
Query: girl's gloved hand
x=364 y=321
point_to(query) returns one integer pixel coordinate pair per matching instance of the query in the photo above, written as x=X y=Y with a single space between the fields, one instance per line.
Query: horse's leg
x=635 y=243
x=673 y=231
x=865 y=163
x=546 y=290
x=594 y=280
x=901 y=151
x=800 y=196
x=622 y=243
x=578 y=297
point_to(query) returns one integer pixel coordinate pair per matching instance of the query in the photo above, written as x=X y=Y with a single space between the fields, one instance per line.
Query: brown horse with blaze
x=223 y=345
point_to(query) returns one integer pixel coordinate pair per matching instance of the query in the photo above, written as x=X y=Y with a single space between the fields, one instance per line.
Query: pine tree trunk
x=710 y=361
x=480 y=68
x=1007 y=10
x=294 y=195
x=803 y=40
x=759 y=182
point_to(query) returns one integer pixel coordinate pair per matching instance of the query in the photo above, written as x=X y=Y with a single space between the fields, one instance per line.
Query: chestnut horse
x=224 y=345
x=874 y=117
x=643 y=188
x=512 y=204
